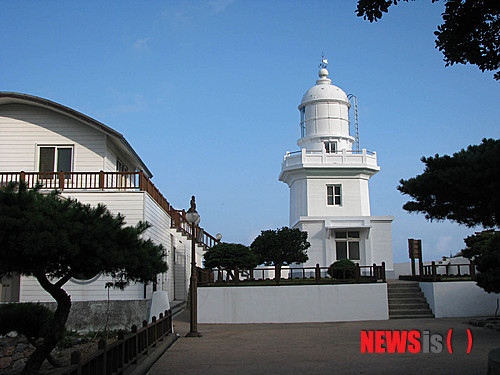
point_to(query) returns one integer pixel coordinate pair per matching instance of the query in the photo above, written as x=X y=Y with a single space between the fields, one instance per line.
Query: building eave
x=20 y=98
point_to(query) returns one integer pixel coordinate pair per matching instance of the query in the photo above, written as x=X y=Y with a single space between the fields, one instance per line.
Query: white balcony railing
x=346 y=158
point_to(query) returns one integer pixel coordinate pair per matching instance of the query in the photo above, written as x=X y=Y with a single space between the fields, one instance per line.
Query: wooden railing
x=316 y=275
x=115 y=358
x=444 y=272
x=109 y=181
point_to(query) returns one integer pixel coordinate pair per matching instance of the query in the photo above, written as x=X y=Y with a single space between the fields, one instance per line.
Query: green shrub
x=342 y=269
x=28 y=319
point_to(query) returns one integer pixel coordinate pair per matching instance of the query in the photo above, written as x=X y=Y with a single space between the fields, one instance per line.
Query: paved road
x=320 y=348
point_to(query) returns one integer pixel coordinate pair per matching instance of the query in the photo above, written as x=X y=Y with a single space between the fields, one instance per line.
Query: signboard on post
x=415 y=251
x=414 y=248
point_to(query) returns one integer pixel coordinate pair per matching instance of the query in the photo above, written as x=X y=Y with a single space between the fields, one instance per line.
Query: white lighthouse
x=328 y=181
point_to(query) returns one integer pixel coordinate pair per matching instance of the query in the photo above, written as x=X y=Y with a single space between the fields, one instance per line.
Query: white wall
x=31 y=291
x=182 y=265
x=298 y=200
x=159 y=232
x=135 y=206
x=293 y=304
x=403 y=269
x=316 y=237
x=458 y=299
x=129 y=204
x=381 y=241
x=23 y=127
x=181 y=274
x=377 y=248
x=113 y=154
x=354 y=197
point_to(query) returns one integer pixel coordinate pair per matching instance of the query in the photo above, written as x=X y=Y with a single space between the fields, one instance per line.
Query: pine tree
x=280 y=247
x=54 y=239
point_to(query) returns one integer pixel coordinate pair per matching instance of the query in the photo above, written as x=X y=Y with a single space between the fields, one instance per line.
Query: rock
x=5 y=362
x=19 y=364
x=21 y=347
x=9 y=350
x=18 y=355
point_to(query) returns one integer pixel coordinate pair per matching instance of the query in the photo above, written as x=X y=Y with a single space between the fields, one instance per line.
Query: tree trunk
x=54 y=362
x=277 y=273
x=56 y=327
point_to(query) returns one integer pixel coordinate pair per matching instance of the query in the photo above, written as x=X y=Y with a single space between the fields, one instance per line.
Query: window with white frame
x=55 y=159
x=333 y=195
x=330 y=147
x=347 y=245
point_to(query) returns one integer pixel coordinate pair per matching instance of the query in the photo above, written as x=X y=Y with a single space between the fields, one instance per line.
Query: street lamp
x=193 y=218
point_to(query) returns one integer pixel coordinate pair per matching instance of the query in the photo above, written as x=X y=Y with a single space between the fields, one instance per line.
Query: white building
x=328 y=181
x=43 y=141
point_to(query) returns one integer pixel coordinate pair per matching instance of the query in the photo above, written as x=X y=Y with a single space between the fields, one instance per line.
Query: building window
x=55 y=159
x=333 y=195
x=331 y=147
x=303 y=122
x=120 y=166
x=122 y=178
x=347 y=245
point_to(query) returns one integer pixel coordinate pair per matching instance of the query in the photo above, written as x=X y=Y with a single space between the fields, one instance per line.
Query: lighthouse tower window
x=333 y=195
x=303 y=122
x=347 y=245
x=330 y=147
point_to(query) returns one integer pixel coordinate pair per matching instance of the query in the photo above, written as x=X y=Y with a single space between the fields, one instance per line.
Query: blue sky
x=207 y=94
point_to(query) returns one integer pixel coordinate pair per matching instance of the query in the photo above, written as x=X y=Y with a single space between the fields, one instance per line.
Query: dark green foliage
x=372 y=10
x=281 y=246
x=54 y=239
x=28 y=319
x=229 y=256
x=468 y=34
x=463 y=188
x=61 y=238
x=483 y=249
x=342 y=269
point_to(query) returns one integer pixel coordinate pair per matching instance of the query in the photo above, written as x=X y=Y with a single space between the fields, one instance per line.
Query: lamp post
x=193 y=218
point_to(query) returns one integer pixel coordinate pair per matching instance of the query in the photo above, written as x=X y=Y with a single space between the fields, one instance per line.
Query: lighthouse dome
x=323 y=90
x=324 y=117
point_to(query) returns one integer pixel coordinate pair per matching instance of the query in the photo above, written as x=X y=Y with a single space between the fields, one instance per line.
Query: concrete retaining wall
x=92 y=315
x=458 y=299
x=293 y=304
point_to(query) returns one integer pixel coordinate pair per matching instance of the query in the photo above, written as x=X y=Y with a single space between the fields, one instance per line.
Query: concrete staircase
x=406 y=300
